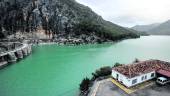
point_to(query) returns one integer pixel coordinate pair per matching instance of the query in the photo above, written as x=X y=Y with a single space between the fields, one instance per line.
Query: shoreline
x=73 y=44
x=62 y=39
x=50 y=42
x=54 y=43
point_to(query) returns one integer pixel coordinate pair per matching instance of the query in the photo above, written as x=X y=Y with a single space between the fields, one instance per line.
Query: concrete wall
x=128 y=81
x=15 y=54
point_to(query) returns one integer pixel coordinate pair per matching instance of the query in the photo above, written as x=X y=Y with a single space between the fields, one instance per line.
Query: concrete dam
x=10 y=52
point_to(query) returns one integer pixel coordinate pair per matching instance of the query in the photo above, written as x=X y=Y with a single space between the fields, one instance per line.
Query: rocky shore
x=40 y=38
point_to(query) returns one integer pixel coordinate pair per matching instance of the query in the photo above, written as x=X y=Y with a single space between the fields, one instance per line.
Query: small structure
x=164 y=73
x=133 y=74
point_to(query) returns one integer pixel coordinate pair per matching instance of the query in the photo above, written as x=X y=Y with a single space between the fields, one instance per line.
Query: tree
x=104 y=71
x=117 y=64
x=136 y=60
x=84 y=85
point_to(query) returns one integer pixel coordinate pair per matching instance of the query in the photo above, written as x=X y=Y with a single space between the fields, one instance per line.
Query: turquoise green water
x=57 y=70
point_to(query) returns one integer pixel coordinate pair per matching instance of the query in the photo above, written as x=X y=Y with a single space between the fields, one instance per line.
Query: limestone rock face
x=56 y=17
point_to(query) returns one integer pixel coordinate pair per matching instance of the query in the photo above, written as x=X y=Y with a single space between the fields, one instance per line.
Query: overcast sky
x=131 y=12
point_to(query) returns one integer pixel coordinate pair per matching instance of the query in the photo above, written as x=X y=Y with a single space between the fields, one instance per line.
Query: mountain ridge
x=162 y=29
x=145 y=27
x=155 y=29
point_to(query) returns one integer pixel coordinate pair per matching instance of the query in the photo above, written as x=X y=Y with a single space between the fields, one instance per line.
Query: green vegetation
x=95 y=23
x=141 y=33
x=101 y=30
x=86 y=83
x=99 y=74
x=104 y=71
x=117 y=64
x=136 y=60
x=84 y=86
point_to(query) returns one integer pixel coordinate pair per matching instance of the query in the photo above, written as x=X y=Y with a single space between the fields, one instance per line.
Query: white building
x=133 y=74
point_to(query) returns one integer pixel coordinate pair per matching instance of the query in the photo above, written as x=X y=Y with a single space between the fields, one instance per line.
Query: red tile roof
x=164 y=72
x=142 y=67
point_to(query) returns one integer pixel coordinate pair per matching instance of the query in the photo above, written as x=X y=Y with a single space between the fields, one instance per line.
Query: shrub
x=117 y=64
x=104 y=71
x=136 y=60
x=84 y=85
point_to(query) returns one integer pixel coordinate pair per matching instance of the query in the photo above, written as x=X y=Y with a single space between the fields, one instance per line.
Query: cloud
x=131 y=12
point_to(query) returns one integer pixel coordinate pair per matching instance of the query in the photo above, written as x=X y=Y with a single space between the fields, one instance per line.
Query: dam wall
x=13 y=52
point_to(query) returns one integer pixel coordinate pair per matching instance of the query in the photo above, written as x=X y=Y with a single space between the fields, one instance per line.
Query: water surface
x=57 y=70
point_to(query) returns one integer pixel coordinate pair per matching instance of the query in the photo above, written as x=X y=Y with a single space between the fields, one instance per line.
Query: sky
x=129 y=13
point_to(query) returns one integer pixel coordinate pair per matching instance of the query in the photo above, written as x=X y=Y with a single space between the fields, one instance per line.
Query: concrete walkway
x=132 y=89
x=95 y=87
x=102 y=87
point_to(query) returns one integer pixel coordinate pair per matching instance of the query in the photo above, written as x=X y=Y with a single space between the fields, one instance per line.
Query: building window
x=134 y=81
x=146 y=77
x=153 y=74
x=142 y=78
x=117 y=76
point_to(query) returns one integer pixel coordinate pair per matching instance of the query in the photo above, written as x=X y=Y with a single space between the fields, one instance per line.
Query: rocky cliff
x=55 y=19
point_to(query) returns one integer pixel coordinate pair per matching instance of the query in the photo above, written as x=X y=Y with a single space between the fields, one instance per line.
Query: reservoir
x=53 y=70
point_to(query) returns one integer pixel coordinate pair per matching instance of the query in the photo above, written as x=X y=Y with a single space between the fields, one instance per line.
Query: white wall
x=128 y=81
x=122 y=78
x=139 y=78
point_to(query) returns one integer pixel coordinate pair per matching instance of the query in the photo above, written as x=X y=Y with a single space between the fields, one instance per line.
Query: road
x=110 y=89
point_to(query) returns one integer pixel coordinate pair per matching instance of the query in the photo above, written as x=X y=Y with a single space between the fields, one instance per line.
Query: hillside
x=55 y=18
x=162 y=29
x=145 y=28
x=141 y=33
x=155 y=29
